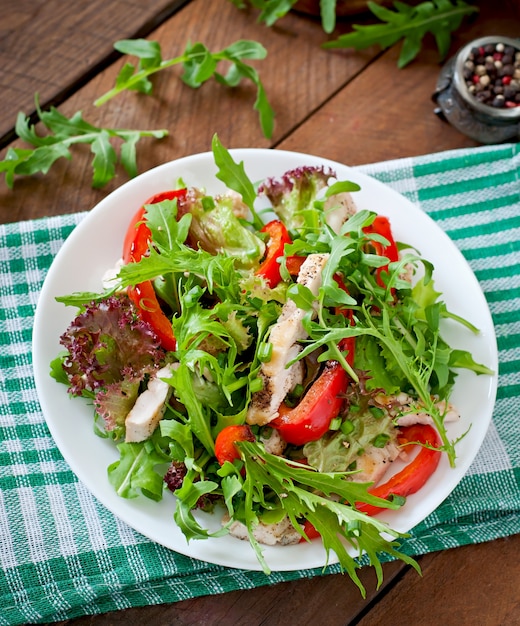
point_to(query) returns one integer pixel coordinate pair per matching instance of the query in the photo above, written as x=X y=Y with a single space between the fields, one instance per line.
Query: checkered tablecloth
x=64 y=555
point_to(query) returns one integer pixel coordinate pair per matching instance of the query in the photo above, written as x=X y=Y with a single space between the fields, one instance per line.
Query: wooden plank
x=298 y=76
x=386 y=113
x=466 y=586
x=50 y=46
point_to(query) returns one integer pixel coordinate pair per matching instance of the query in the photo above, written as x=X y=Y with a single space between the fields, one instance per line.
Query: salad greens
x=222 y=311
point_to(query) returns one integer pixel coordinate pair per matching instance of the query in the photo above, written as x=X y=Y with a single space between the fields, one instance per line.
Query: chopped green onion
x=208 y=204
x=265 y=351
x=347 y=427
x=256 y=385
x=335 y=423
x=377 y=412
x=354 y=528
x=381 y=440
x=399 y=500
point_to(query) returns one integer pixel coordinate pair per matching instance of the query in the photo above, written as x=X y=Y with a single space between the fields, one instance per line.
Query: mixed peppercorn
x=492 y=75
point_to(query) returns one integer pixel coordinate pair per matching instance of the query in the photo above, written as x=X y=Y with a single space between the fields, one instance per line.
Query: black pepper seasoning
x=478 y=90
x=499 y=75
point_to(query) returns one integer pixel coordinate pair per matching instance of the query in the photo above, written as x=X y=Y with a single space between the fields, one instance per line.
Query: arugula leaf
x=382 y=371
x=409 y=23
x=328 y=15
x=180 y=433
x=161 y=218
x=462 y=358
x=231 y=486
x=341 y=186
x=134 y=472
x=56 y=369
x=63 y=133
x=302 y=494
x=188 y=495
x=104 y=160
x=234 y=176
x=218 y=271
x=273 y=10
x=199 y=65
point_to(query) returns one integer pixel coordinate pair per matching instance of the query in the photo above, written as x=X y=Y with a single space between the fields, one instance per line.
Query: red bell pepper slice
x=225 y=449
x=137 y=239
x=311 y=418
x=409 y=480
x=412 y=477
x=270 y=267
x=136 y=245
x=381 y=226
x=310 y=531
x=278 y=237
x=294 y=264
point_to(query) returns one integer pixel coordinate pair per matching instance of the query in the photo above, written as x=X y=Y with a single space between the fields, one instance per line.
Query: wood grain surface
x=354 y=107
x=51 y=47
x=296 y=84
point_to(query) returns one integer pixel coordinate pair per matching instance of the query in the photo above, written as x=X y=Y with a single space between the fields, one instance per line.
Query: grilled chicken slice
x=373 y=464
x=274 y=443
x=282 y=533
x=278 y=379
x=409 y=418
x=406 y=411
x=148 y=408
x=338 y=208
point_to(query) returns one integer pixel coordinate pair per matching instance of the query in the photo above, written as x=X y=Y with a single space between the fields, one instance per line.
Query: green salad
x=269 y=365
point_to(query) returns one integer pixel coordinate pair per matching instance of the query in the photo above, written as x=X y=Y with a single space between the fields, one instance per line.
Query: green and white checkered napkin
x=64 y=555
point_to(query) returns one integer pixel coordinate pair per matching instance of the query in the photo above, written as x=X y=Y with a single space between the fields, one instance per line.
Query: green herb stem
x=199 y=66
x=410 y=23
x=139 y=76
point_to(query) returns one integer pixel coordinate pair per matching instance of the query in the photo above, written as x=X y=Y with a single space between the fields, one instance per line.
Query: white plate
x=95 y=245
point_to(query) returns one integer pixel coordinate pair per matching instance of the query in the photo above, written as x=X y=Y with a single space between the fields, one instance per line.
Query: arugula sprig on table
x=199 y=64
x=273 y=10
x=63 y=133
x=410 y=24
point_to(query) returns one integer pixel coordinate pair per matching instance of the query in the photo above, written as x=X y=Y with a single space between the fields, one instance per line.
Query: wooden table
x=351 y=107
